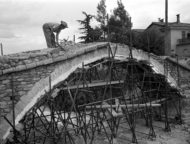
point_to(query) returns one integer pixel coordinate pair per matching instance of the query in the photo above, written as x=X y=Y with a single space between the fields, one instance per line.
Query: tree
x=119 y=24
x=102 y=15
x=150 y=41
x=87 y=29
x=96 y=34
x=90 y=34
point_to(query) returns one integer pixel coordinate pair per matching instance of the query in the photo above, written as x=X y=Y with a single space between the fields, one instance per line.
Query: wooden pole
x=108 y=31
x=166 y=50
x=74 y=38
x=166 y=12
x=123 y=106
x=130 y=39
x=1 y=49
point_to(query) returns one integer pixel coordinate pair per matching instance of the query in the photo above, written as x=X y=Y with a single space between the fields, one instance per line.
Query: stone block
x=39 y=63
x=23 y=82
x=20 y=67
x=6 y=97
x=31 y=65
x=59 y=58
x=47 y=61
x=8 y=90
x=27 y=61
x=1 y=72
x=2 y=86
x=7 y=81
x=21 y=93
x=3 y=104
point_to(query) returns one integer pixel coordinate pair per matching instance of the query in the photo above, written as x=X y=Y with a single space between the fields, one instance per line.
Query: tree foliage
x=86 y=28
x=89 y=34
x=102 y=14
x=119 y=24
x=96 y=34
x=150 y=41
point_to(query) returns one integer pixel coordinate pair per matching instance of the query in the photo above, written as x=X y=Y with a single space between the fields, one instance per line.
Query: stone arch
x=62 y=71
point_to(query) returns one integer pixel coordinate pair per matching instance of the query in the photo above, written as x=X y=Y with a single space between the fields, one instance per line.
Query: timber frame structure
x=97 y=99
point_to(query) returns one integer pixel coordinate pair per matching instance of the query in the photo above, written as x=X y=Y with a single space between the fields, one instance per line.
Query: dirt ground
x=180 y=134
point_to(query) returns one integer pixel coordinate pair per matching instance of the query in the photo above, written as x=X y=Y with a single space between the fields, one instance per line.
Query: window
x=188 y=35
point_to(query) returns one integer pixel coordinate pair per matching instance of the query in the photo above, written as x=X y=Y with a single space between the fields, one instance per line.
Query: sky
x=21 y=20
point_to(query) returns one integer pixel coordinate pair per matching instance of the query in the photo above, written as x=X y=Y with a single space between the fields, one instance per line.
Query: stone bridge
x=25 y=76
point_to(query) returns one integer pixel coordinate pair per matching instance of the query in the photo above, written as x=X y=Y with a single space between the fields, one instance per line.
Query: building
x=177 y=36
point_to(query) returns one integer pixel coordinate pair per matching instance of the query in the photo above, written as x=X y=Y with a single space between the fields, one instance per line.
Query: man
x=49 y=30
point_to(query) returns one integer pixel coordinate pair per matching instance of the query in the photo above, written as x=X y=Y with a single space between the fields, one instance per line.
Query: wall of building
x=183 y=50
x=175 y=36
x=167 y=50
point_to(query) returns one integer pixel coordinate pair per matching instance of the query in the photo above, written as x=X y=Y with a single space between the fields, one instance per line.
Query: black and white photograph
x=94 y=71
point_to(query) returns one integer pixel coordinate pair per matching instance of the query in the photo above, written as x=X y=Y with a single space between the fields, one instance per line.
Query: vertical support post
x=1 y=49
x=74 y=38
x=166 y=68
x=167 y=125
x=83 y=76
x=166 y=29
x=130 y=43
x=148 y=42
x=109 y=52
x=166 y=12
x=33 y=127
x=13 y=106
x=50 y=84
x=178 y=84
x=177 y=70
x=108 y=37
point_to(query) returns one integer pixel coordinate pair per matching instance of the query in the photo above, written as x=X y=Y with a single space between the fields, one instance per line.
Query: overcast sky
x=21 y=20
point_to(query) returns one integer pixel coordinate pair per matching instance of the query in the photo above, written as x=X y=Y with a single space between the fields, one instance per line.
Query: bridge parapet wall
x=175 y=71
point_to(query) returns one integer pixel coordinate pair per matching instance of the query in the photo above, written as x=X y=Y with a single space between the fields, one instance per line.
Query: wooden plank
x=93 y=84
x=123 y=106
x=154 y=103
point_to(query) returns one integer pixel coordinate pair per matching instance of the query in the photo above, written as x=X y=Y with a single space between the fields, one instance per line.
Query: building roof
x=171 y=25
x=138 y=30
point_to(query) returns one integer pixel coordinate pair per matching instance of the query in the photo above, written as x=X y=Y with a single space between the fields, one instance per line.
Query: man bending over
x=49 y=30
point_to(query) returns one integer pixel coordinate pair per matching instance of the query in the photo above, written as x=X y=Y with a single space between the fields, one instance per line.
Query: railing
x=184 y=41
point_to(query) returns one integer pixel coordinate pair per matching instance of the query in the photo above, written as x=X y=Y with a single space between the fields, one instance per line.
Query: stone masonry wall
x=21 y=82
